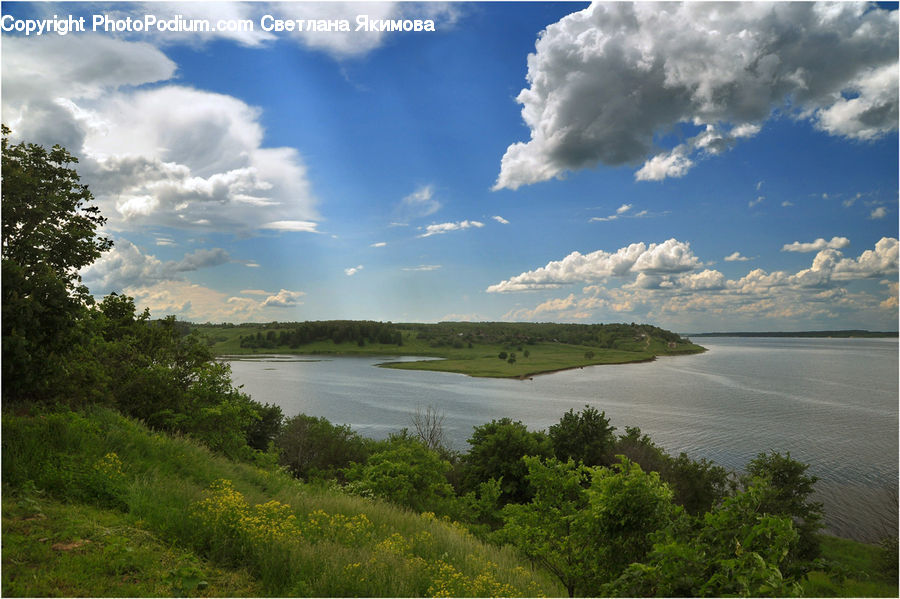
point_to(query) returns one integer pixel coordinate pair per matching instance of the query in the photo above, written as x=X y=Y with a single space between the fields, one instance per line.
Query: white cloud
x=669 y=257
x=379 y=244
x=299 y=226
x=283 y=299
x=421 y=268
x=669 y=164
x=500 y=220
x=163 y=156
x=419 y=204
x=125 y=266
x=441 y=228
x=819 y=244
x=819 y=293
x=623 y=208
x=736 y=257
x=757 y=201
x=878 y=213
x=353 y=270
x=604 y=81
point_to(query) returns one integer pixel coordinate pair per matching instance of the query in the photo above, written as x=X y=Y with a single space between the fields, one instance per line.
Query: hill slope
x=95 y=504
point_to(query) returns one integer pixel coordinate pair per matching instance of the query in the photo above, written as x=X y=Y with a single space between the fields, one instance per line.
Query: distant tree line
x=359 y=332
x=517 y=334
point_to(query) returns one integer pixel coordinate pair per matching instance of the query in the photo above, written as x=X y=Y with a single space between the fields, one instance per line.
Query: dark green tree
x=792 y=497
x=313 y=447
x=496 y=450
x=585 y=437
x=49 y=232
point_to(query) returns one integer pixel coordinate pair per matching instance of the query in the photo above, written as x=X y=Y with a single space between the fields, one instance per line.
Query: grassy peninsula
x=487 y=349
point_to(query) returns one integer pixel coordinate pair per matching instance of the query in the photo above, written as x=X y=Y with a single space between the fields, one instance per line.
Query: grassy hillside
x=475 y=348
x=95 y=504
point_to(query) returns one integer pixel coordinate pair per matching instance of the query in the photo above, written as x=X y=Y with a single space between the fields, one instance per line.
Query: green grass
x=481 y=360
x=543 y=358
x=137 y=497
x=859 y=564
x=55 y=549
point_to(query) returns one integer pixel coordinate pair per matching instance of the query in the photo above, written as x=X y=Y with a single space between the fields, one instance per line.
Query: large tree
x=49 y=232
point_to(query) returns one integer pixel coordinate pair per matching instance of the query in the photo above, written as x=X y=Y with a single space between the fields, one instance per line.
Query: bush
x=406 y=473
x=312 y=447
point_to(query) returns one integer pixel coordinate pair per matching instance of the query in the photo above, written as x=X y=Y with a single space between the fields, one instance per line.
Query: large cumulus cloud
x=169 y=155
x=606 y=81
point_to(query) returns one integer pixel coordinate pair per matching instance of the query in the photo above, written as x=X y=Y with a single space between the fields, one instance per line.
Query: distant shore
x=843 y=334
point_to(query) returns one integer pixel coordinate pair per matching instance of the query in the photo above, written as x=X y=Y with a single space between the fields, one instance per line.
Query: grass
x=159 y=521
x=480 y=360
x=858 y=568
x=55 y=549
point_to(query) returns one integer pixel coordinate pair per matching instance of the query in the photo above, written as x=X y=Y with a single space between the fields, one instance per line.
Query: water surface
x=832 y=403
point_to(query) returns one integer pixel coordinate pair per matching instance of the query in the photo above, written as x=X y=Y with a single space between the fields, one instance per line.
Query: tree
x=737 y=549
x=496 y=451
x=585 y=437
x=792 y=491
x=313 y=447
x=429 y=428
x=48 y=233
x=407 y=473
x=586 y=525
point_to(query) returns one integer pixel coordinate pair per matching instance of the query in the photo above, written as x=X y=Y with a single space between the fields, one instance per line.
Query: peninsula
x=482 y=349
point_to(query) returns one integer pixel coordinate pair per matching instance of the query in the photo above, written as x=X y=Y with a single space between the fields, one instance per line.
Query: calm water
x=832 y=403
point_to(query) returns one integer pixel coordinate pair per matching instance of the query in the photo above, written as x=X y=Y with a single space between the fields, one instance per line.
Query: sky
x=700 y=167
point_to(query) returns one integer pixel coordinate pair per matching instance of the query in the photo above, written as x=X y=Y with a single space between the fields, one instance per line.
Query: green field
x=473 y=359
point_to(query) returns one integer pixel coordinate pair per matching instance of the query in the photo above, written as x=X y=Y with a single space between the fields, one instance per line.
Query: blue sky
x=696 y=166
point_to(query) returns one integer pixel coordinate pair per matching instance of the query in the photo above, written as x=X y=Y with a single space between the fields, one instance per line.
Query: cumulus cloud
x=669 y=257
x=605 y=81
x=353 y=270
x=379 y=244
x=125 y=266
x=163 y=156
x=821 y=292
x=500 y=220
x=819 y=244
x=441 y=228
x=736 y=257
x=878 y=213
x=283 y=299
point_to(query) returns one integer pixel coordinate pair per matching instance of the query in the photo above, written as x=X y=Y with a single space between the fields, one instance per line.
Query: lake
x=832 y=403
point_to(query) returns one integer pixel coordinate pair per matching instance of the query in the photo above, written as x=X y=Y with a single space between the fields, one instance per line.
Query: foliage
x=49 y=232
x=338 y=331
x=495 y=452
x=312 y=447
x=585 y=525
x=406 y=473
x=793 y=489
x=544 y=529
x=586 y=437
x=738 y=550
x=698 y=485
